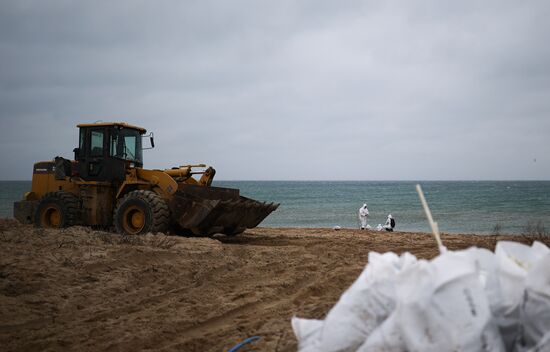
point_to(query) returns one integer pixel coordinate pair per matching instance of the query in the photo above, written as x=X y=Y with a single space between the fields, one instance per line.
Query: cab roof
x=121 y=124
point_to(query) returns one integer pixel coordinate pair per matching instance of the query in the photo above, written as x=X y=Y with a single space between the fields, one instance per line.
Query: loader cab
x=106 y=150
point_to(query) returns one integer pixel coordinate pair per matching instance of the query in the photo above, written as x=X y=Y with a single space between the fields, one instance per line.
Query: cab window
x=96 y=146
x=126 y=144
x=81 y=142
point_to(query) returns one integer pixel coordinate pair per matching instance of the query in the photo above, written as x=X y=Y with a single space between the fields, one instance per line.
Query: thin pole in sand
x=433 y=224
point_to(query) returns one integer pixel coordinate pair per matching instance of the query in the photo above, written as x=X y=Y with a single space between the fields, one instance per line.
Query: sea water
x=457 y=206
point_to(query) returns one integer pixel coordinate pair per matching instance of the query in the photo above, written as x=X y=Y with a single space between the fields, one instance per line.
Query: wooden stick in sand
x=433 y=224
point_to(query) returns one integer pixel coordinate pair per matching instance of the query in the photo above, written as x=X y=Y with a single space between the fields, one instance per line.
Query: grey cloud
x=286 y=90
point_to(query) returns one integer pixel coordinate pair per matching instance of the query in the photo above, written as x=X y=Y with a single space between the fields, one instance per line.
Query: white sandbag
x=460 y=301
x=513 y=262
x=307 y=332
x=543 y=345
x=443 y=307
x=535 y=307
x=505 y=288
x=484 y=261
x=388 y=337
x=385 y=338
x=365 y=305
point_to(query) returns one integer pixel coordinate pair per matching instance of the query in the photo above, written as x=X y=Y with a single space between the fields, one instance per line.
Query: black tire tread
x=159 y=209
x=70 y=205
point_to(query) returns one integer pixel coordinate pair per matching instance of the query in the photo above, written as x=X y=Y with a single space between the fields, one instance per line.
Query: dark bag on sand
x=392 y=223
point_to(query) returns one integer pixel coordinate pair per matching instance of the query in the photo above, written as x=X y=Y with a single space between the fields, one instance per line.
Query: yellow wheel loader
x=106 y=185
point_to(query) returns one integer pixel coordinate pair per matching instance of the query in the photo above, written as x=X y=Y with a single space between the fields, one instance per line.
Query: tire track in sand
x=220 y=322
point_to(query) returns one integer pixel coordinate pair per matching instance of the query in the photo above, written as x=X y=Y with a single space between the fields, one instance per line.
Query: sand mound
x=88 y=290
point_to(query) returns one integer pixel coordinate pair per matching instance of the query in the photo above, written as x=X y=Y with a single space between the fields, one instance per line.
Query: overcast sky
x=284 y=90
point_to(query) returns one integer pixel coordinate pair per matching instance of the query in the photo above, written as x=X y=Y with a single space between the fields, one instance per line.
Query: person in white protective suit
x=363 y=214
x=390 y=223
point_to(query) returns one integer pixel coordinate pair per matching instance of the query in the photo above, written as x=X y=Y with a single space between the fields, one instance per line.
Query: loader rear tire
x=140 y=212
x=57 y=210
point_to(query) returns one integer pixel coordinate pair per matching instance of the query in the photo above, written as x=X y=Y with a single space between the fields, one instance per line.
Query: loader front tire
x=57 y=210
x=140 y=212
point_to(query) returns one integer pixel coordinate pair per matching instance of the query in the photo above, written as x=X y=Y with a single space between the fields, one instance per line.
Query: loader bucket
x=204 y=210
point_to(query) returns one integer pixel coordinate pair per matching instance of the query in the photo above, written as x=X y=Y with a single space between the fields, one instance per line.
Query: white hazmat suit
x=388 y=225
x=363 y=214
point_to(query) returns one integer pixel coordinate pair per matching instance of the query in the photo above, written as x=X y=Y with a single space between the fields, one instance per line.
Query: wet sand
x=85 y=290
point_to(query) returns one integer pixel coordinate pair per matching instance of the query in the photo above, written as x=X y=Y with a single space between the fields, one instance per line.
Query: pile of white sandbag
x=470 y=300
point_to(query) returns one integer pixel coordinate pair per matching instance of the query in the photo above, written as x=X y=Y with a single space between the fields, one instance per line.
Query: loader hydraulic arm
x=207 y=176
x=185 y=174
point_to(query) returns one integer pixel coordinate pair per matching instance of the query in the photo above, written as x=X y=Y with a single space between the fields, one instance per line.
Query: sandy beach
x=86 y=290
